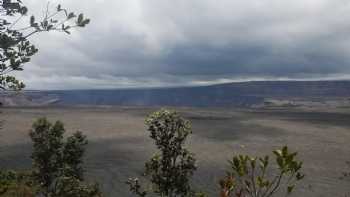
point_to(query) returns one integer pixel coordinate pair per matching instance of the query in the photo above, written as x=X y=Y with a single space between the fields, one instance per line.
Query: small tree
x=248 y=176
x=170 y=169
x=47 y=152
x=57 y=164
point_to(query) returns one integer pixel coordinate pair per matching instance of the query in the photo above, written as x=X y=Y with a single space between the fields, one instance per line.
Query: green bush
x=170 y=169
x=57 y=163
x=248 y=176
x=16 y=184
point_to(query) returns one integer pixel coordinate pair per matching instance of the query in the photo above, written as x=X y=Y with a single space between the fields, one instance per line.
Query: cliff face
x=291 y=88
x=232 y=94
x=36 y=98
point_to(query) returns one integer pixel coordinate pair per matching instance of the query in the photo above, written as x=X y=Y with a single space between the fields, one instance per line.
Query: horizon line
x=188 y=86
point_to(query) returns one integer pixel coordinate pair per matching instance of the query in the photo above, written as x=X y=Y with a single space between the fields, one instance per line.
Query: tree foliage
x=169 y=170
x=15 y=48
x=346 y=174
x=17 y=184
x=346 y=177
x=248 y=176
x=57 y=163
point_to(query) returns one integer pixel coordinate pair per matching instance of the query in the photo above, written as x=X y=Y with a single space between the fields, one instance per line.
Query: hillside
x=231 y=94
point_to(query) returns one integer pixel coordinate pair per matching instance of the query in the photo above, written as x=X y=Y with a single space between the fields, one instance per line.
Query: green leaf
x=290 y=189
x=278 y=152
x=299 y=176
x=45 y=23
x=71 y=15
x=280 y=162
x=49 y=27
x=85 y=22
x=32 y=21
x=285 y=151
x=80 y=18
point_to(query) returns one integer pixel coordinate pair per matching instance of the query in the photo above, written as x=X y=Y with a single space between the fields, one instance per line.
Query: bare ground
x=119 y=143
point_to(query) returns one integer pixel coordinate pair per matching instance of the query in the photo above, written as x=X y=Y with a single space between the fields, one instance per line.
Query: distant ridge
x=275 y=89
x=220 y=95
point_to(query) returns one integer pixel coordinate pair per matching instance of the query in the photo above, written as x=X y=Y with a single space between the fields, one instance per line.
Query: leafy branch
x=15 y=48
x=248 y=175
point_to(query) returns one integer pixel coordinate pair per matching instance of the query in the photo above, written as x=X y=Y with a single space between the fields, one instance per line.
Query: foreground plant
x=17 y=184
x=169 y=171
x=57 y=163
x=251 y=176
x=346 y=175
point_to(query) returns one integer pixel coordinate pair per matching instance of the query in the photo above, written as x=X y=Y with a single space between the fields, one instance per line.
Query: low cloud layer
x=138 y=43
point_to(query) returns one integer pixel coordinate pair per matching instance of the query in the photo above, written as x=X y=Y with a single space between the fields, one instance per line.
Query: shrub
x=57 y=163
x=248 y=176
x=16 y=184
x=170 y=169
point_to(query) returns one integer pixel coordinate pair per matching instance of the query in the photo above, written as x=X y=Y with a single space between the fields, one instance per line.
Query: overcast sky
x=146 y=43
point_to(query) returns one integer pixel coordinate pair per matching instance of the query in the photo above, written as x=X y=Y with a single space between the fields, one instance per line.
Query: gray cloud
x=139 y=43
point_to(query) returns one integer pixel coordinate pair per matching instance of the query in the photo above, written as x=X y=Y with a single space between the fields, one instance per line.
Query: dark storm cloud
x=164 y=43
x=249 y=60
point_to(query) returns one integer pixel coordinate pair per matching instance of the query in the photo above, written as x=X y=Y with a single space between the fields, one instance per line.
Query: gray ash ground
x=119 y=144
